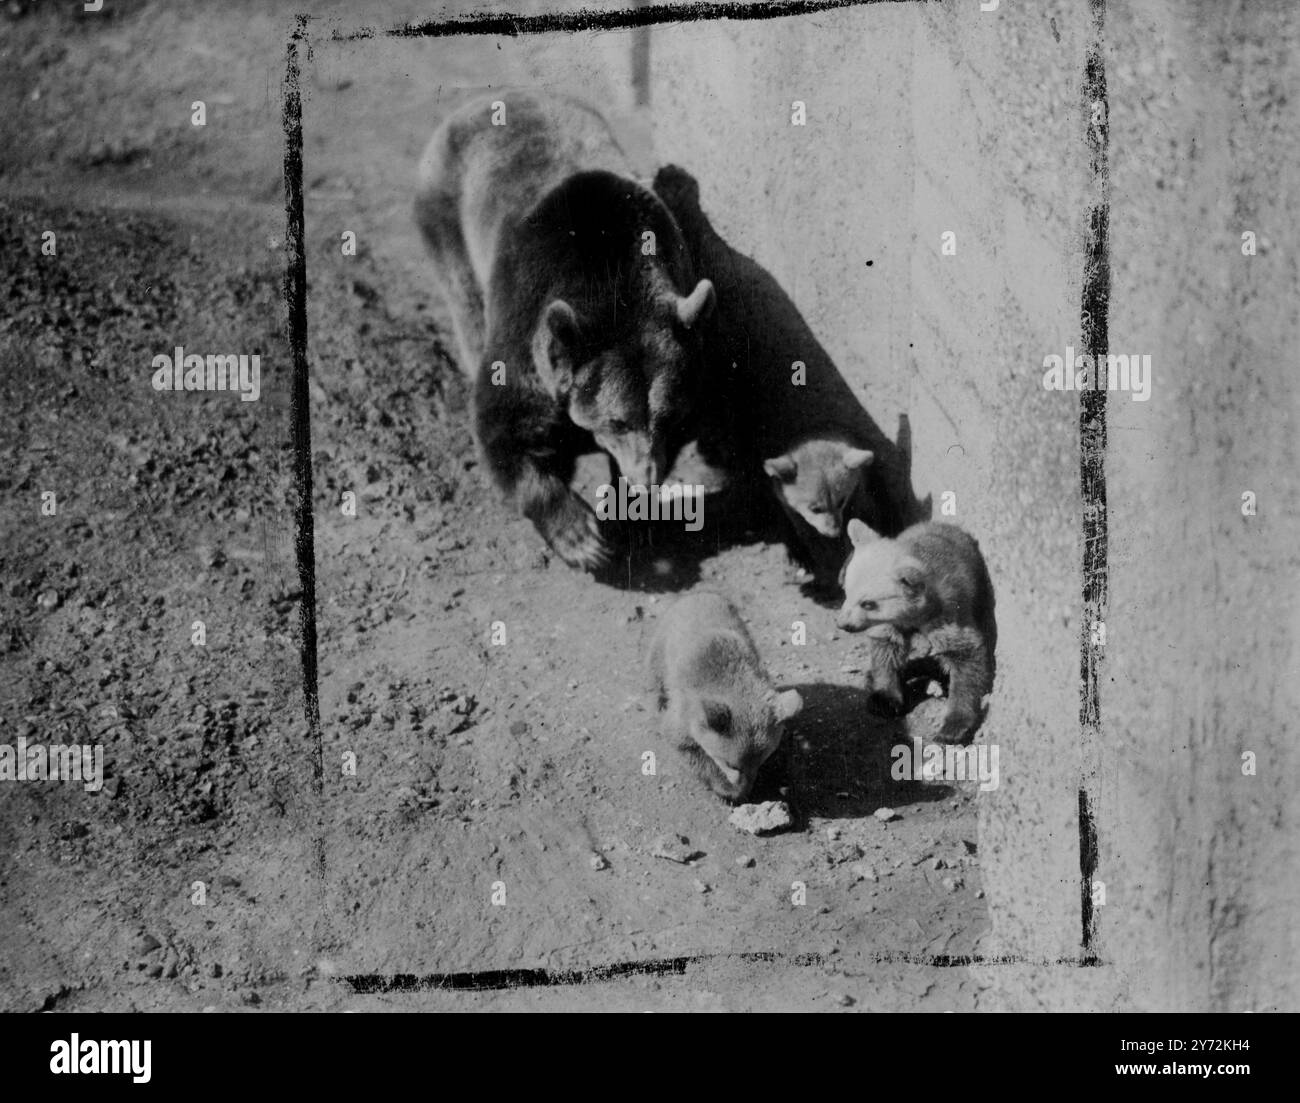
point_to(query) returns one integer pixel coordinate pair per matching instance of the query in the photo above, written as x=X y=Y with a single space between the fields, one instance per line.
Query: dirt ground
x=480 y=768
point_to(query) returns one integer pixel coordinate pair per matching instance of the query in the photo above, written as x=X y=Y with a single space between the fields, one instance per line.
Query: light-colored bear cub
x=717 y=701
x=924 y=595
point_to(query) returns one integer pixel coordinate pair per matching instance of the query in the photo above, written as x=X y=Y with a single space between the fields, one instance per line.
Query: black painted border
x=1095 y=307
x=295 y=297
x=505 y=24
x=1094 y=316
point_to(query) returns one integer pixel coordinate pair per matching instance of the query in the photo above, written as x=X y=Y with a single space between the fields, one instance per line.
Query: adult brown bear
x=573 y=301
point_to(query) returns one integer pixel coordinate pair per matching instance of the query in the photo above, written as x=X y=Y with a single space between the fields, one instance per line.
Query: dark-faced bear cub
x=574 y=304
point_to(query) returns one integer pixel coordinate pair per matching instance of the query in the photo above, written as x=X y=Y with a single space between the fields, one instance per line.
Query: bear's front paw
x=576 y=537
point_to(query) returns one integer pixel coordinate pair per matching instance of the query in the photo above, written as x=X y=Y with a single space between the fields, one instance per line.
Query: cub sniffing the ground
x=925 y=595
x=573 y=301
x=717 y=701
x=820 y=484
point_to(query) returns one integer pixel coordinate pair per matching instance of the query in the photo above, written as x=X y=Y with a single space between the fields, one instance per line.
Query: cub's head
x=730 y=743
x=637 y=392
x=817 y=479
x=883 y=584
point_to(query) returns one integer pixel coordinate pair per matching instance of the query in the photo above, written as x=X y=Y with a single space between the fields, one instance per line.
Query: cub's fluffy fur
x=821 y=483
x=717 y=701
x=573 y=333
x=925 y=595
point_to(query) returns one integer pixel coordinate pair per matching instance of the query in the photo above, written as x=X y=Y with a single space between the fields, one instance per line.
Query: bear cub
x=924 y=598
x=717 y=702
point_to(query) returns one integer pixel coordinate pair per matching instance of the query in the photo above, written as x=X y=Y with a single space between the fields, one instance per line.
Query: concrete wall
x=926 y=118
x=1203 y=618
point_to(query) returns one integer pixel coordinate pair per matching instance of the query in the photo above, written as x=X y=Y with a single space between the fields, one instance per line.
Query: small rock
x=700 y=886
x=938 y=863
x=979 y=895
x=761 y=819
x=952 y=884
x=154 y=971
x=48 y=600
x=251 y=998
x=843 y=852
x=845 y=1000
x=833 y=833
x=676 y=848
x=597 y=861
x=885 y=815
x=519 y=727
x=145 y=944
x=863 y=871
x=745 y=862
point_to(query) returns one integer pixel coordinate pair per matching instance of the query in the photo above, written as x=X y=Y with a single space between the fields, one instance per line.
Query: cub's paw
x=884 y=685
x=575 y=535
x=959 y=725
x=887 y=635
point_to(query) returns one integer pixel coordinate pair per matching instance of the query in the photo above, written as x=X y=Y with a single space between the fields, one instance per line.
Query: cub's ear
x=555 y=347
x=844 y=570
x=861 y=534
x=698 y=305
x=911 y=576
x=788 y=704
x=857 y=457
x=782 y=467
x=717 y=717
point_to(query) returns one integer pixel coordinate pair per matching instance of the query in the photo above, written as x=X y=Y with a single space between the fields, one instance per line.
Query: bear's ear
x=857 y=457
x=698 y=305
x=861 y=534
x=788 y=704
x=555 y=347
x=781 y=467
